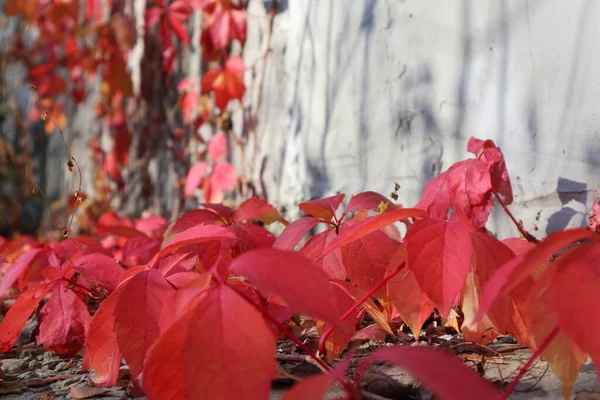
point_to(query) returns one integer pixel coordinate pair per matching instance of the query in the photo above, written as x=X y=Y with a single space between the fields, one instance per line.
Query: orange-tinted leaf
x=371 y=224
x=313 y=387
x=439 y=254
x=64 y=322
x=368 y=305
x=562 y=354
x=220 y=348
x=256 y=209
x=292 y=277
x=294 y=232
x=323 y=208
x=19 y=313
x=444 y=374
x=368 y=201
x=410 y=301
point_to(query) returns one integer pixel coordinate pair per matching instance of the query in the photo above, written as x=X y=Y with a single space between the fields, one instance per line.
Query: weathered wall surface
x=361 y=93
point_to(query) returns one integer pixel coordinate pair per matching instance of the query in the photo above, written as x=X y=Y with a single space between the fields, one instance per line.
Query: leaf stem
x=90 y=292
x=528 y=236
x=525 y=367
x=352 y=309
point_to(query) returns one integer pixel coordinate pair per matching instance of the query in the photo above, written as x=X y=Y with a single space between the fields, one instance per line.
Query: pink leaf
x=217 y=146
x=195 y=177
x=100 y=269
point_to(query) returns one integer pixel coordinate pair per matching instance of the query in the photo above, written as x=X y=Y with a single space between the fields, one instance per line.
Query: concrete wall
x=361 y=93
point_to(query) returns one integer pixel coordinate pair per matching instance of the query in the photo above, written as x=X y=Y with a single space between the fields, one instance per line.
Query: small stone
x=40 y=357
x=61 y=366
x=13 y=365
x=33 y=364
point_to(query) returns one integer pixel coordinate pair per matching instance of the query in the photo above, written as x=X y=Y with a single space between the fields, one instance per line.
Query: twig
x=352 y=309
x=524 y=369
x=528 y=236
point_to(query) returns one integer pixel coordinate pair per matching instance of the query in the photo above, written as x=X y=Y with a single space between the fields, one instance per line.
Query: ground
x=33 y=373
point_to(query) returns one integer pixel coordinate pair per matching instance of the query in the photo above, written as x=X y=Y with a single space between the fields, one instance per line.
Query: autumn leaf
x=292 y=277
x=371 y=224
x=224 y=22
x=323 y=209
x=314 y=387
x=367 y=259
x=137 y=315
x=19 y=313
x=294 y=232
x=226 y=83
x=171 y=19
x=439 y=254
x=195 y=358
x=410 y=301
x=64 y=322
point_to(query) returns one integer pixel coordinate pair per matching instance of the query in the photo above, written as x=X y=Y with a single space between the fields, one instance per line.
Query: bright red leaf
x=439 y=254
x=220 y=348
x=292 y=277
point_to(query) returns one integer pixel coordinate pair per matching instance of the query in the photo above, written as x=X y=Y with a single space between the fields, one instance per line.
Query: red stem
x=88 y=291
x=289 y=335
x=528 y=236
x=352 y=309
x=525 y=367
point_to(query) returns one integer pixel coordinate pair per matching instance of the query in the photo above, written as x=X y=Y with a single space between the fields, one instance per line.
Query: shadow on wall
x=568 y=191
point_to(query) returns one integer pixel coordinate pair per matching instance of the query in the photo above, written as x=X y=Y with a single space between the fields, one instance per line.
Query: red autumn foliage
x=196 y=308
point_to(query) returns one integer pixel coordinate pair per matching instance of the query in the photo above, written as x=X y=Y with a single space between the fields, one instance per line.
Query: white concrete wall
x=361 y=93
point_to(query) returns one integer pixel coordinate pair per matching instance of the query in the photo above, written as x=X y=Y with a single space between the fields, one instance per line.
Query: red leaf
x=444 y=374
x=492 y=156
x=439 y=254
x=99 y=269
x=368 y=201
x=574 y=296
x=19 y=313
x=102 y=350
x=257 y=209
x=64 y=322
x=293 y=278
x=410 y=301
x=195 y=177
x=371 y=224
x=323 y=208
x=195 y=235
x=466 y=185
x=217 y=146
x=331 y=264
x=137 y=313
x=314 y=388
x=223 y=177
x=195 y=357
x=520 y=268
x=226 y=84
x=339 y=339
x=17 y=268
x=294 y=232
x=139 y=250
x=366 y=260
